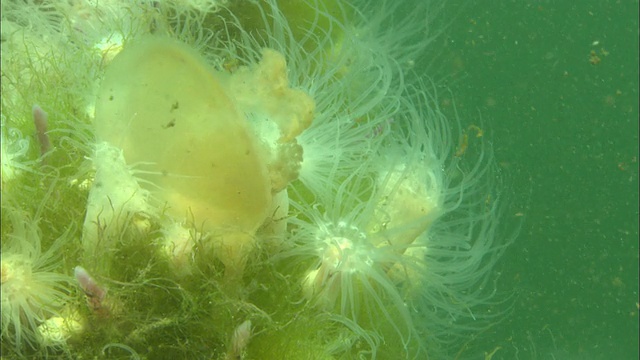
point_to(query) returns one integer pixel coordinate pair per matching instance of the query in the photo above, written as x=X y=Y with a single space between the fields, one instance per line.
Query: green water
x=565 y=131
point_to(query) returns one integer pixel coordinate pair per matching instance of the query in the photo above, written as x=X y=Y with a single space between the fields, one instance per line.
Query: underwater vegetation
x=239 y=180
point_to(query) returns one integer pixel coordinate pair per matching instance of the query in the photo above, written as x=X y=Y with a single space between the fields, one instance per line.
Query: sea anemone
x=359 y=235
x=349 y=275
x=32 y=290
x=15 y=154
x=455 y=291
x=407 y=242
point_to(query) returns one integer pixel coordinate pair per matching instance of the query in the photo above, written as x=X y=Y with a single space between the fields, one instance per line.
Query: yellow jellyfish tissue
x=198 y=157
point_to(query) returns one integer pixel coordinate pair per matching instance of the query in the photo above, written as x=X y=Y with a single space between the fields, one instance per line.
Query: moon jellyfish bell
x=182 y=125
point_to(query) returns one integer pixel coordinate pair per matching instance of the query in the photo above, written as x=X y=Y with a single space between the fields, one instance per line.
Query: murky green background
x=565 y=132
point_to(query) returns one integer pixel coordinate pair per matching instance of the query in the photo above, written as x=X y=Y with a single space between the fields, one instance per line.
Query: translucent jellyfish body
x=196 y=156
